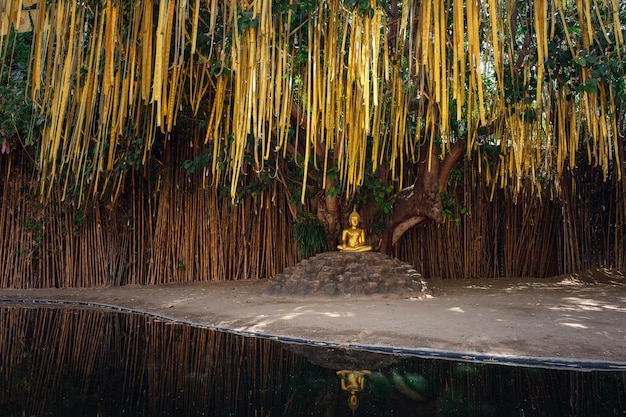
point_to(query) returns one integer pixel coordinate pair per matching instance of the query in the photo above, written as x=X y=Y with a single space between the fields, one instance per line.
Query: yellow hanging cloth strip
x=161 y=60
x=110 y=79
x=541 y=34
x=52 y=139
x=10 y=12
x=147 y=63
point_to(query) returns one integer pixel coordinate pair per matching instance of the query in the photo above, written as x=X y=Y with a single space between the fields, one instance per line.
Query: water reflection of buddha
x=353 y=238
x=353 y=382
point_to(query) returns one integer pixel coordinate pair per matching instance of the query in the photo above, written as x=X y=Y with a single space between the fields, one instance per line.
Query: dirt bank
x=579 y=318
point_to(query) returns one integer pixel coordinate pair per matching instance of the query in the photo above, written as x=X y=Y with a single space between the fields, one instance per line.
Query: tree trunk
x=415 y=205
x=421 y=202
x=329 y=214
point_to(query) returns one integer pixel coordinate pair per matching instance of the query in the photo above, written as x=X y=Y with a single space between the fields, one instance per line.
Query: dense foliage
x=16 y=109
x=317 y=95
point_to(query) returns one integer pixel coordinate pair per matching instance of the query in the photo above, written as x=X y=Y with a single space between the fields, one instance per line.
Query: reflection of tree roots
x=403 y=388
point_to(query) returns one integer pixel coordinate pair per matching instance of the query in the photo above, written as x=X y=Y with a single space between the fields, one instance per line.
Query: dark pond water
x=71 y=361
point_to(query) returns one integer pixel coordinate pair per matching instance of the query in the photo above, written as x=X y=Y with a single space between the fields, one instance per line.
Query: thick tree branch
x=421 y=202
x=456 y=152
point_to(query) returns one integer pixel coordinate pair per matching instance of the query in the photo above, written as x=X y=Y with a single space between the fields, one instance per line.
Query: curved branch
x=405 y=226
x=445 y=168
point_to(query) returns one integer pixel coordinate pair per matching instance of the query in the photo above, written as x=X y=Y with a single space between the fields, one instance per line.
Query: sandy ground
x=573 y=321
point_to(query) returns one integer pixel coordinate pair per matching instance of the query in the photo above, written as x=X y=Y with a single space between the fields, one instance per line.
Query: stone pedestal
x=342 y=274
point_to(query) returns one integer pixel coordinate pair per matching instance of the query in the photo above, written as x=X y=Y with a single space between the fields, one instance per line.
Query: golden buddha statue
x=353 y=238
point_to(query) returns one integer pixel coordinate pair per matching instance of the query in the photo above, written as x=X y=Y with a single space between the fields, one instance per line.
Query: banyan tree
x=336 y=102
